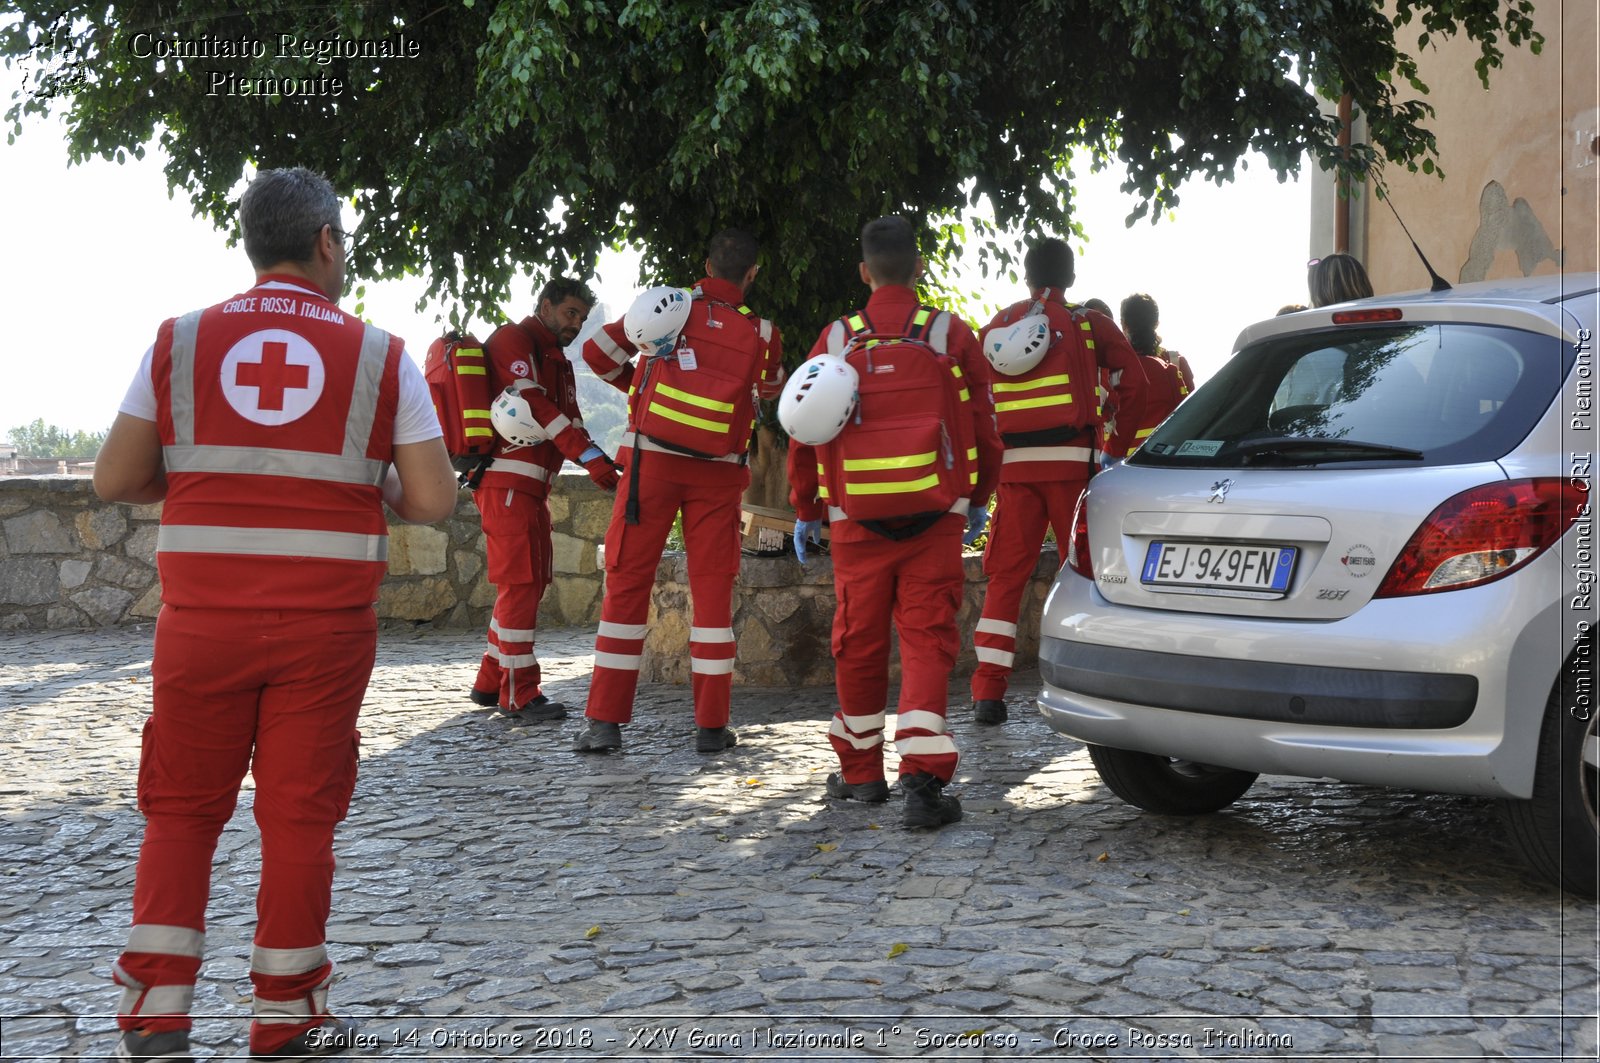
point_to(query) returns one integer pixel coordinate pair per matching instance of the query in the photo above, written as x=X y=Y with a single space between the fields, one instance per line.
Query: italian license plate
x=1254 y=571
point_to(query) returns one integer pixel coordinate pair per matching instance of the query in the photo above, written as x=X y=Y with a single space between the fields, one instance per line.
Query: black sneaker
x=926 y=804
x=988 y=712
x=600 y=736
x=714 y=739
x=332 y=1038
x=487 y=698
x=875 y=792
x=540 y=710
x=168 y=1044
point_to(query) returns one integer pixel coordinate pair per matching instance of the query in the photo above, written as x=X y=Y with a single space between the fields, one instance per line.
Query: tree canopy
x=40 y=440
x=478 y=137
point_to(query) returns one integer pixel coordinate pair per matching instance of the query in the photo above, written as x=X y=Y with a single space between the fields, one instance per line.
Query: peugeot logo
x=1219 y=491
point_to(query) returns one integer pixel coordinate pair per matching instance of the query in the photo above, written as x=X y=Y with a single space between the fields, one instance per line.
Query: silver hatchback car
x=1363 y=551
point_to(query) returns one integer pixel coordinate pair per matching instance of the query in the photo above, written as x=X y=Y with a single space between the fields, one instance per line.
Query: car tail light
x=1483 y=534
x=1079 y=559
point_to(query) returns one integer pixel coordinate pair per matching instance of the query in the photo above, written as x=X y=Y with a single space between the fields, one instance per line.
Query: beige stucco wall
x=1522 y=173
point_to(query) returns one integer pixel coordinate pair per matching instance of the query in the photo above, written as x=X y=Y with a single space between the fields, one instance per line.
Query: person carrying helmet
x=1048 y=356
x=1167 y=372
x=854 y=464
x=537 y=427
x=693 y=364
x=273 y=426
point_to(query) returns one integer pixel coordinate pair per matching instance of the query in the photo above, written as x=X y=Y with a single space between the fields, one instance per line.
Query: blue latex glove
x=804 y=530
x=1108 y=462
x=589 y=455
x=977 y=520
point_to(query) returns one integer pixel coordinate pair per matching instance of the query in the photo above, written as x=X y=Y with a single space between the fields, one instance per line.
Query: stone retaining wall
x=68 y=560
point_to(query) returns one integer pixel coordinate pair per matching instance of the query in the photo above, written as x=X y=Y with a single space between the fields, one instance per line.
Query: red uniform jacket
x=529 y=351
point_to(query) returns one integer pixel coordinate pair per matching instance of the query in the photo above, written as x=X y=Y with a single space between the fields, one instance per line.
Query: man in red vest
x=512 y=497
x=916 y=581
x=690 y=413
x=1049 y=431
x=274 y=426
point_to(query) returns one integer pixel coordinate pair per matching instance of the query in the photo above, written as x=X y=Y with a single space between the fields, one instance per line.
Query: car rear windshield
x=1395 y=395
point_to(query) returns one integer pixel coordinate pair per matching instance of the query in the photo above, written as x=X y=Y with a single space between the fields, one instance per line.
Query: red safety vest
x=529 y=348
x=1167 y=389
x=276 y=415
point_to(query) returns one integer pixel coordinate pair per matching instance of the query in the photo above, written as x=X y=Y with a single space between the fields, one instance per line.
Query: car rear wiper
x=1326 y=449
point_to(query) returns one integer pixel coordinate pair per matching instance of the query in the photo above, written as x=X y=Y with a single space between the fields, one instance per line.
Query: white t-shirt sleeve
x=415 y=421
x=140 y=401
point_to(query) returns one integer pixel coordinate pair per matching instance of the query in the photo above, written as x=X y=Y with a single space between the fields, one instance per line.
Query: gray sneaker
x=600 y=736
x=873 y=792
x=167 y=1044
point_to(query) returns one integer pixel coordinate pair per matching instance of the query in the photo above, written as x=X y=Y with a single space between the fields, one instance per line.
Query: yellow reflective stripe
x=972 y=453
x=966 y=396
x=479 y=414
x=720 y=427
x=822 y=493
x=470 y=432
x=856 y=322
x=1141 y=433
x=972 y=478
x=903 y=461
x=693 y=399
x=956 y=369
x=1029 y=385
x=904 y=487
x=921 y=317
x=1032 y=404
x=471 y=370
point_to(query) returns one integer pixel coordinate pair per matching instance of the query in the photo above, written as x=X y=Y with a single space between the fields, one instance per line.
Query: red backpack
x=1058 y=397
x=908 y=455
x=457 y=372
x=697 y=398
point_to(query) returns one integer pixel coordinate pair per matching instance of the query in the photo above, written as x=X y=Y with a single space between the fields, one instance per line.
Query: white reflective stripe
x=180 y=388
x=960 y=505
x=512 y=634
x=271 y=542
x=705 y=666
x=622 y=662
x=558 y=424
x=157 y=1000
x=1015 y=454
x=166 y=940
x=608 y=377
x=939 y=333
x=368 y=387
x=921 y=720
x=997 y=627
x=623 y=631
x=835 y=515
x=836 y=337
x=989 y=655
x=711 y=634
x=611 y=349
x=287 y=961
x=925 y=746
x=521 y=468
x=265 y=461
x=516 y=660
x=631 y=439
x=296 y=1011
x=837 y=729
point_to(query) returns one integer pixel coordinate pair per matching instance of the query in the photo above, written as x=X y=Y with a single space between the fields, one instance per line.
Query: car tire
x=1557 y=831
x=1167 y=785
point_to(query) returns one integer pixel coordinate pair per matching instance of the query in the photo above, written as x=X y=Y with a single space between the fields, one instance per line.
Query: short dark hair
x=281 y=214
x=889 y=248
x=1338 y=278
x=1048 y=264
x=1097 y=304
x=732 y=253
x=559 y=289
x=1140 y=316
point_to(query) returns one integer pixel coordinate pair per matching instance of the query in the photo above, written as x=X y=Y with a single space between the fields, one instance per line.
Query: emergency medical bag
x=908 y=455
x=1056 y=399
x=697 y=399
x=457 y=373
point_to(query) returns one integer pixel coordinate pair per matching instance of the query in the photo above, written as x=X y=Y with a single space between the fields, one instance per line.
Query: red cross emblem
x=272 y=376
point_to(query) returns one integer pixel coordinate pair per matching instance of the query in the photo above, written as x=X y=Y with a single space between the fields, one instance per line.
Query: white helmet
x=1015 y=349
x=513 y=418
x=818 y=399
x=656 y=317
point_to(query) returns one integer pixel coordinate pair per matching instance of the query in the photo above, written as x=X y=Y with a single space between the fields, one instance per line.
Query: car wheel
x=1167 y=785
x=1557 y=831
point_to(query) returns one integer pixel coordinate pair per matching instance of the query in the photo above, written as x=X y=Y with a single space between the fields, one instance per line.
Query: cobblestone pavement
x=501 y=896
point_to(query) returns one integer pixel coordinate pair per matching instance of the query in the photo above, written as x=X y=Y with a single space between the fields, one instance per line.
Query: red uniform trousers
x=633 y=552
x=516 y=529
x=1016 y=535
x=277 y=693
x=917 y=583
